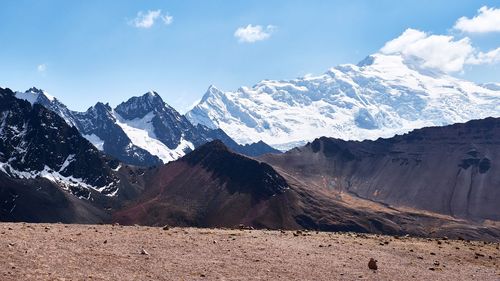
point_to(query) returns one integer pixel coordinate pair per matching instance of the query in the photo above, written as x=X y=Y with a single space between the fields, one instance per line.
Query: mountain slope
x=212 y=186
x=50 y=173
x=35 y=142
x=451 y=170
x=382 y=96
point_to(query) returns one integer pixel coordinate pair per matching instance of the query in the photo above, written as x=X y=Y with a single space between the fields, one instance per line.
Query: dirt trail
x=105 y=252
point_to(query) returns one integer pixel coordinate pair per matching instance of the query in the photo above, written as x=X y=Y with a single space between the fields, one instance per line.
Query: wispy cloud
x=487 y=20
x=254 y=33
x=491 y=57
x=41 y=68
x=149 y=18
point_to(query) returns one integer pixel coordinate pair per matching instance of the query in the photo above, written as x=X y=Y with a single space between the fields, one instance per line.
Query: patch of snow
x=34 y=96
x=68 y=161
x=30 y=97
x=66 y=182
x=141 y=133
x=117 y=168
x=95 y=140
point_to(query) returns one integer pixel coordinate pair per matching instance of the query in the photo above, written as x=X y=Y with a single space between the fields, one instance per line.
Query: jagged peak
x=211 y=91
x=40 y=92
x=6 y=92
x=99 y=106
x=149 y=98
x=152 y=95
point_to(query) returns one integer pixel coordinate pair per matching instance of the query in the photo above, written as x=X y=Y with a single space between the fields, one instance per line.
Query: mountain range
x=434 y=173
x=405 y=184
x=381 y=96
x=142 y=131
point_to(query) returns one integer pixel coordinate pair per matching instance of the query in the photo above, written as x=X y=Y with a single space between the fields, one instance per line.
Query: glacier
x=381 y=96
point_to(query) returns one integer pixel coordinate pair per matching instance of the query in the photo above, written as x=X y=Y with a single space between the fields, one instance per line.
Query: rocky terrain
x=448 y=170
x=113 y=252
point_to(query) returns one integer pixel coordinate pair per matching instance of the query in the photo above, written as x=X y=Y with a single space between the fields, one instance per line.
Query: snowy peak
x=381 y=96
x=211 y=92
x=35 y=95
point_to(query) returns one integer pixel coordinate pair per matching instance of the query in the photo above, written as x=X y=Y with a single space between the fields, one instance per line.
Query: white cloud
x=41 y=67
x=148 y=19
x=167 y=19
x=490 y=57
x=487 y=20
x=440 y=52
x=253 y=33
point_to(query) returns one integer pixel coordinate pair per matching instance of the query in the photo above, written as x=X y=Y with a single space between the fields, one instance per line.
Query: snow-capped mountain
x=382 y=96
x=98 y=125
x=155 y=126
x=142 y=131
x=101 y=127
x=36 y=143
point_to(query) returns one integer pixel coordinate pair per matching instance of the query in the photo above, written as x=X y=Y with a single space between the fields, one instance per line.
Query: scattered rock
x=372 y=264
x=144 y=252
x=166 y=227
x=242 y=227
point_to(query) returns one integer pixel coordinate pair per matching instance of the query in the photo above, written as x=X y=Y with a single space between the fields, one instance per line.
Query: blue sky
x=88 y=51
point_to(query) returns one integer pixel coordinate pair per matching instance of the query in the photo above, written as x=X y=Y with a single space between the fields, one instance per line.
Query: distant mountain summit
x=381 y=96
x=142 y=131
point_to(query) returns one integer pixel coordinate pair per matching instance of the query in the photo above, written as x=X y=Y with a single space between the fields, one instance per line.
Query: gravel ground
x=112 y=252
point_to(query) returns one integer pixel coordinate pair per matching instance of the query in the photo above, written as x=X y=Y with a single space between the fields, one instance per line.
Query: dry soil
x=113 y=252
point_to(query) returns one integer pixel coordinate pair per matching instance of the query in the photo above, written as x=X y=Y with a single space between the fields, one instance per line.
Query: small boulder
x=372 y=264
